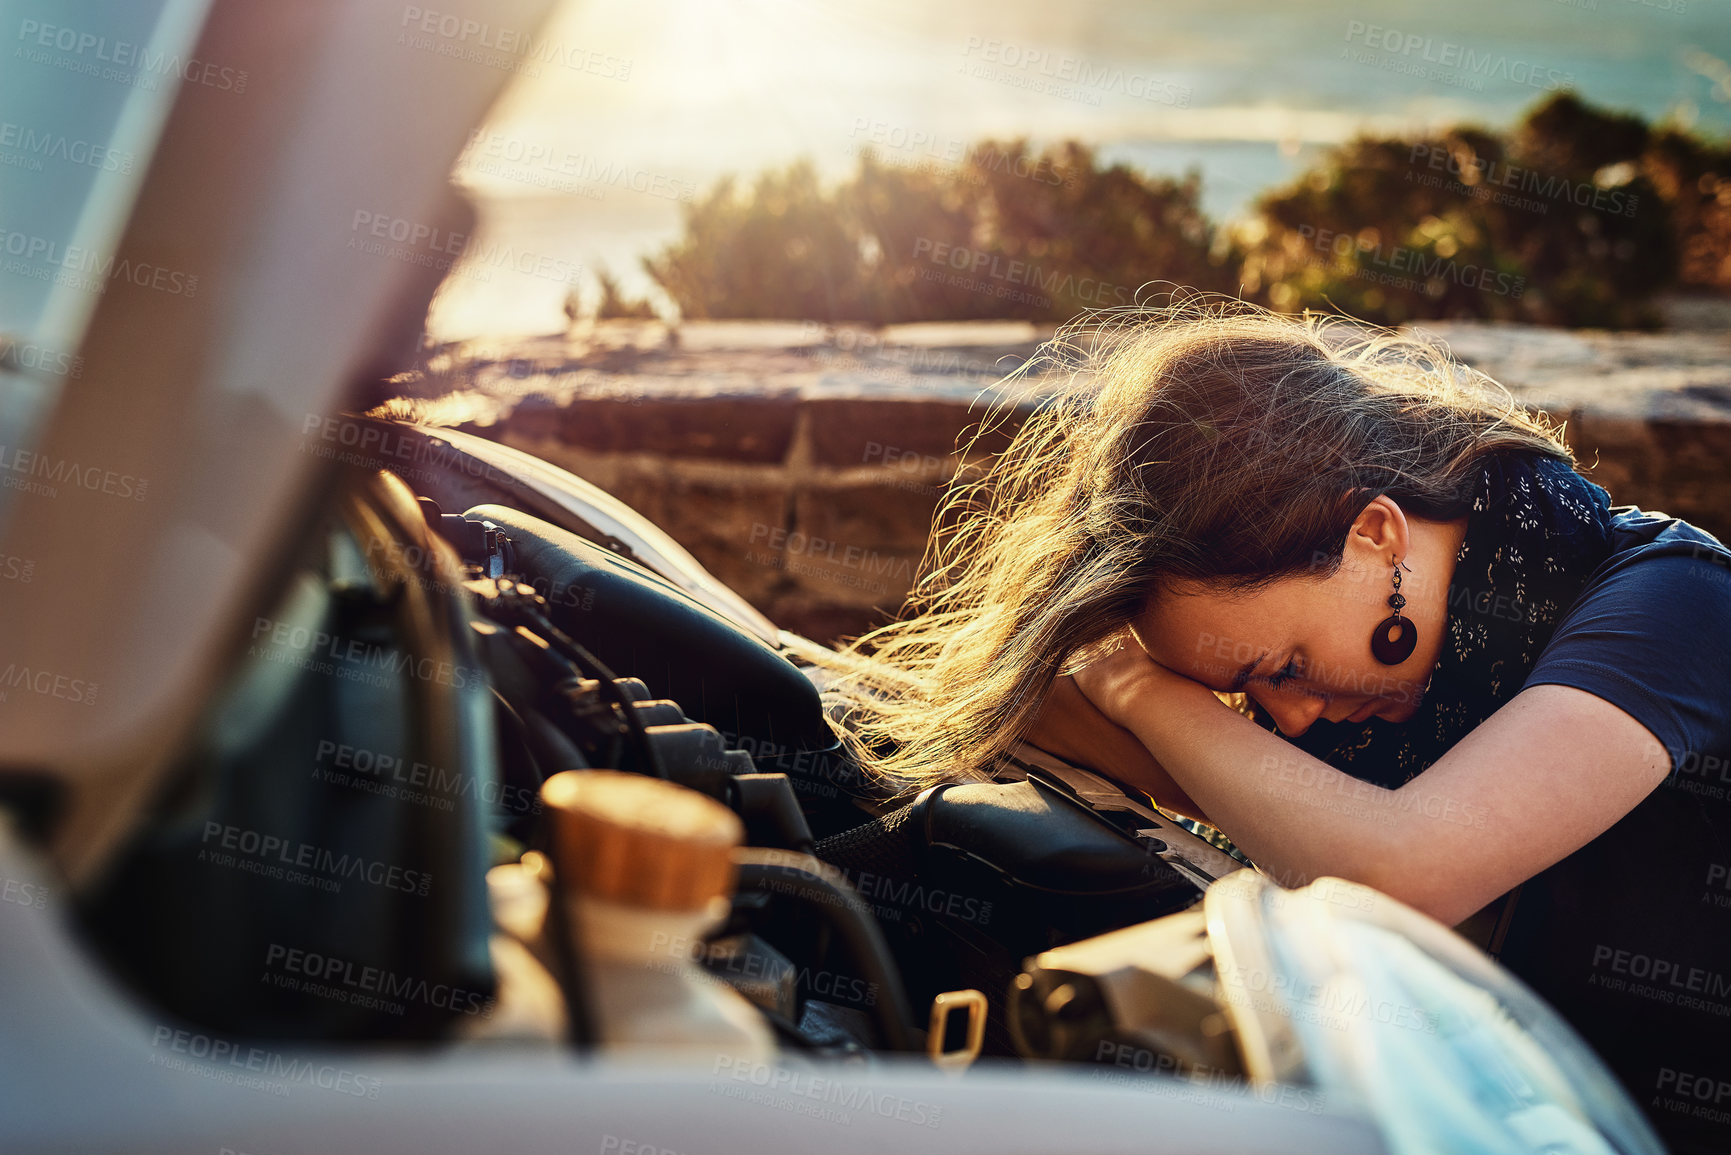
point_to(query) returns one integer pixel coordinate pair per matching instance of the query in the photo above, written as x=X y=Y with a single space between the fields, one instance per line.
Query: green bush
x=1555 y=223
x=1006 y=233
x=1576 y=216
x=1693 y=178
x=784 y=250
x=614 y=305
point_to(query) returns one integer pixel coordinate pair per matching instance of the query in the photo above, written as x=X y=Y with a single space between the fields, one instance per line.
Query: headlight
x=1387 y=1011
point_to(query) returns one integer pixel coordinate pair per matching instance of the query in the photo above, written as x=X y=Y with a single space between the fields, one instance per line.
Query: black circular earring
x=1395 y=637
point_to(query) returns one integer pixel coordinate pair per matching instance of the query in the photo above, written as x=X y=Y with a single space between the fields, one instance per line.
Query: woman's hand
x=1073 y=728
x=1116 y=682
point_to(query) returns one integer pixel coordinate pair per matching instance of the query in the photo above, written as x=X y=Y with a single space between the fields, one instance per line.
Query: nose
x=1293 y=713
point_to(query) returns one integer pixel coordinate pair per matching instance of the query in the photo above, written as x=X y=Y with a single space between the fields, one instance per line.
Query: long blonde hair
x=1206 y=442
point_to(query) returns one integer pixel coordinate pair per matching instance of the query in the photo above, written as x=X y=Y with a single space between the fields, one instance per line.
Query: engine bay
x=384 y=745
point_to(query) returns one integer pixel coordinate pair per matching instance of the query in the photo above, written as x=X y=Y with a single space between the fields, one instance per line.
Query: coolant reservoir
x=645 y=867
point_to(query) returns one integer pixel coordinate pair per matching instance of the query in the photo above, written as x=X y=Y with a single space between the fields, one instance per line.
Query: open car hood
x=180 y=445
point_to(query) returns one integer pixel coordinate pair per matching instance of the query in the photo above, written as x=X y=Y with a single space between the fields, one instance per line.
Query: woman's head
x=1219 y=450
x=1300 y=646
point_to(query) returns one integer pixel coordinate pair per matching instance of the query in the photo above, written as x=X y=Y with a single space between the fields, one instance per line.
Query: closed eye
x=1285 y=674
x=1293 y=671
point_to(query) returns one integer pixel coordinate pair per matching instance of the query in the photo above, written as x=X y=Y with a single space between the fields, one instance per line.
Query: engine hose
x=826 y=895
x=586 y=664
x=594 y=667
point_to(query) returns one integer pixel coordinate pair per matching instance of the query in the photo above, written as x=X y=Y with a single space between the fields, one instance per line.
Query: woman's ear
x=1381 y=529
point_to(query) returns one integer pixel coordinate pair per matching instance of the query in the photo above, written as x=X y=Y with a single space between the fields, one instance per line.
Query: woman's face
x=1301 y=646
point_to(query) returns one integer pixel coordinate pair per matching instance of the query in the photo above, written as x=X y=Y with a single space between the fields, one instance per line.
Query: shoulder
x=1661 y=569
x=1639 y=533
x=1651 y=633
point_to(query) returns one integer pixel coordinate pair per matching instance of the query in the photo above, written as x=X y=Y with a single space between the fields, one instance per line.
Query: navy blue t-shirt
x=1630 y=936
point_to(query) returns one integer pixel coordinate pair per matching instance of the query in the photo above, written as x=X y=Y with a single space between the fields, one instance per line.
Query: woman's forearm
x=1295 y=816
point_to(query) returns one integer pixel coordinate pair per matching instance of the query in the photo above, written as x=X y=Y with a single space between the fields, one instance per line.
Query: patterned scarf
x=1536 y=531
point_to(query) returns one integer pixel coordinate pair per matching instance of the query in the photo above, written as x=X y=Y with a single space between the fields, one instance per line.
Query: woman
x=1338 y=596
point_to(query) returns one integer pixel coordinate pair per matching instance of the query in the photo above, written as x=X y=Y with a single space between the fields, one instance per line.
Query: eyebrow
x=1242 y=678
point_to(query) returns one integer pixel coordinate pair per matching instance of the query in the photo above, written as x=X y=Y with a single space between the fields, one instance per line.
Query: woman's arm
x=1544 y=775
x=1074 y=729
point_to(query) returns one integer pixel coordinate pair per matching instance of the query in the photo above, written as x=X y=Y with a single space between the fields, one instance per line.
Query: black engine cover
x=972 y=879
x=646 y=627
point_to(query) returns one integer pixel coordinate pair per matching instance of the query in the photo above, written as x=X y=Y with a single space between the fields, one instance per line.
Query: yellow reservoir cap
x=640 y=841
